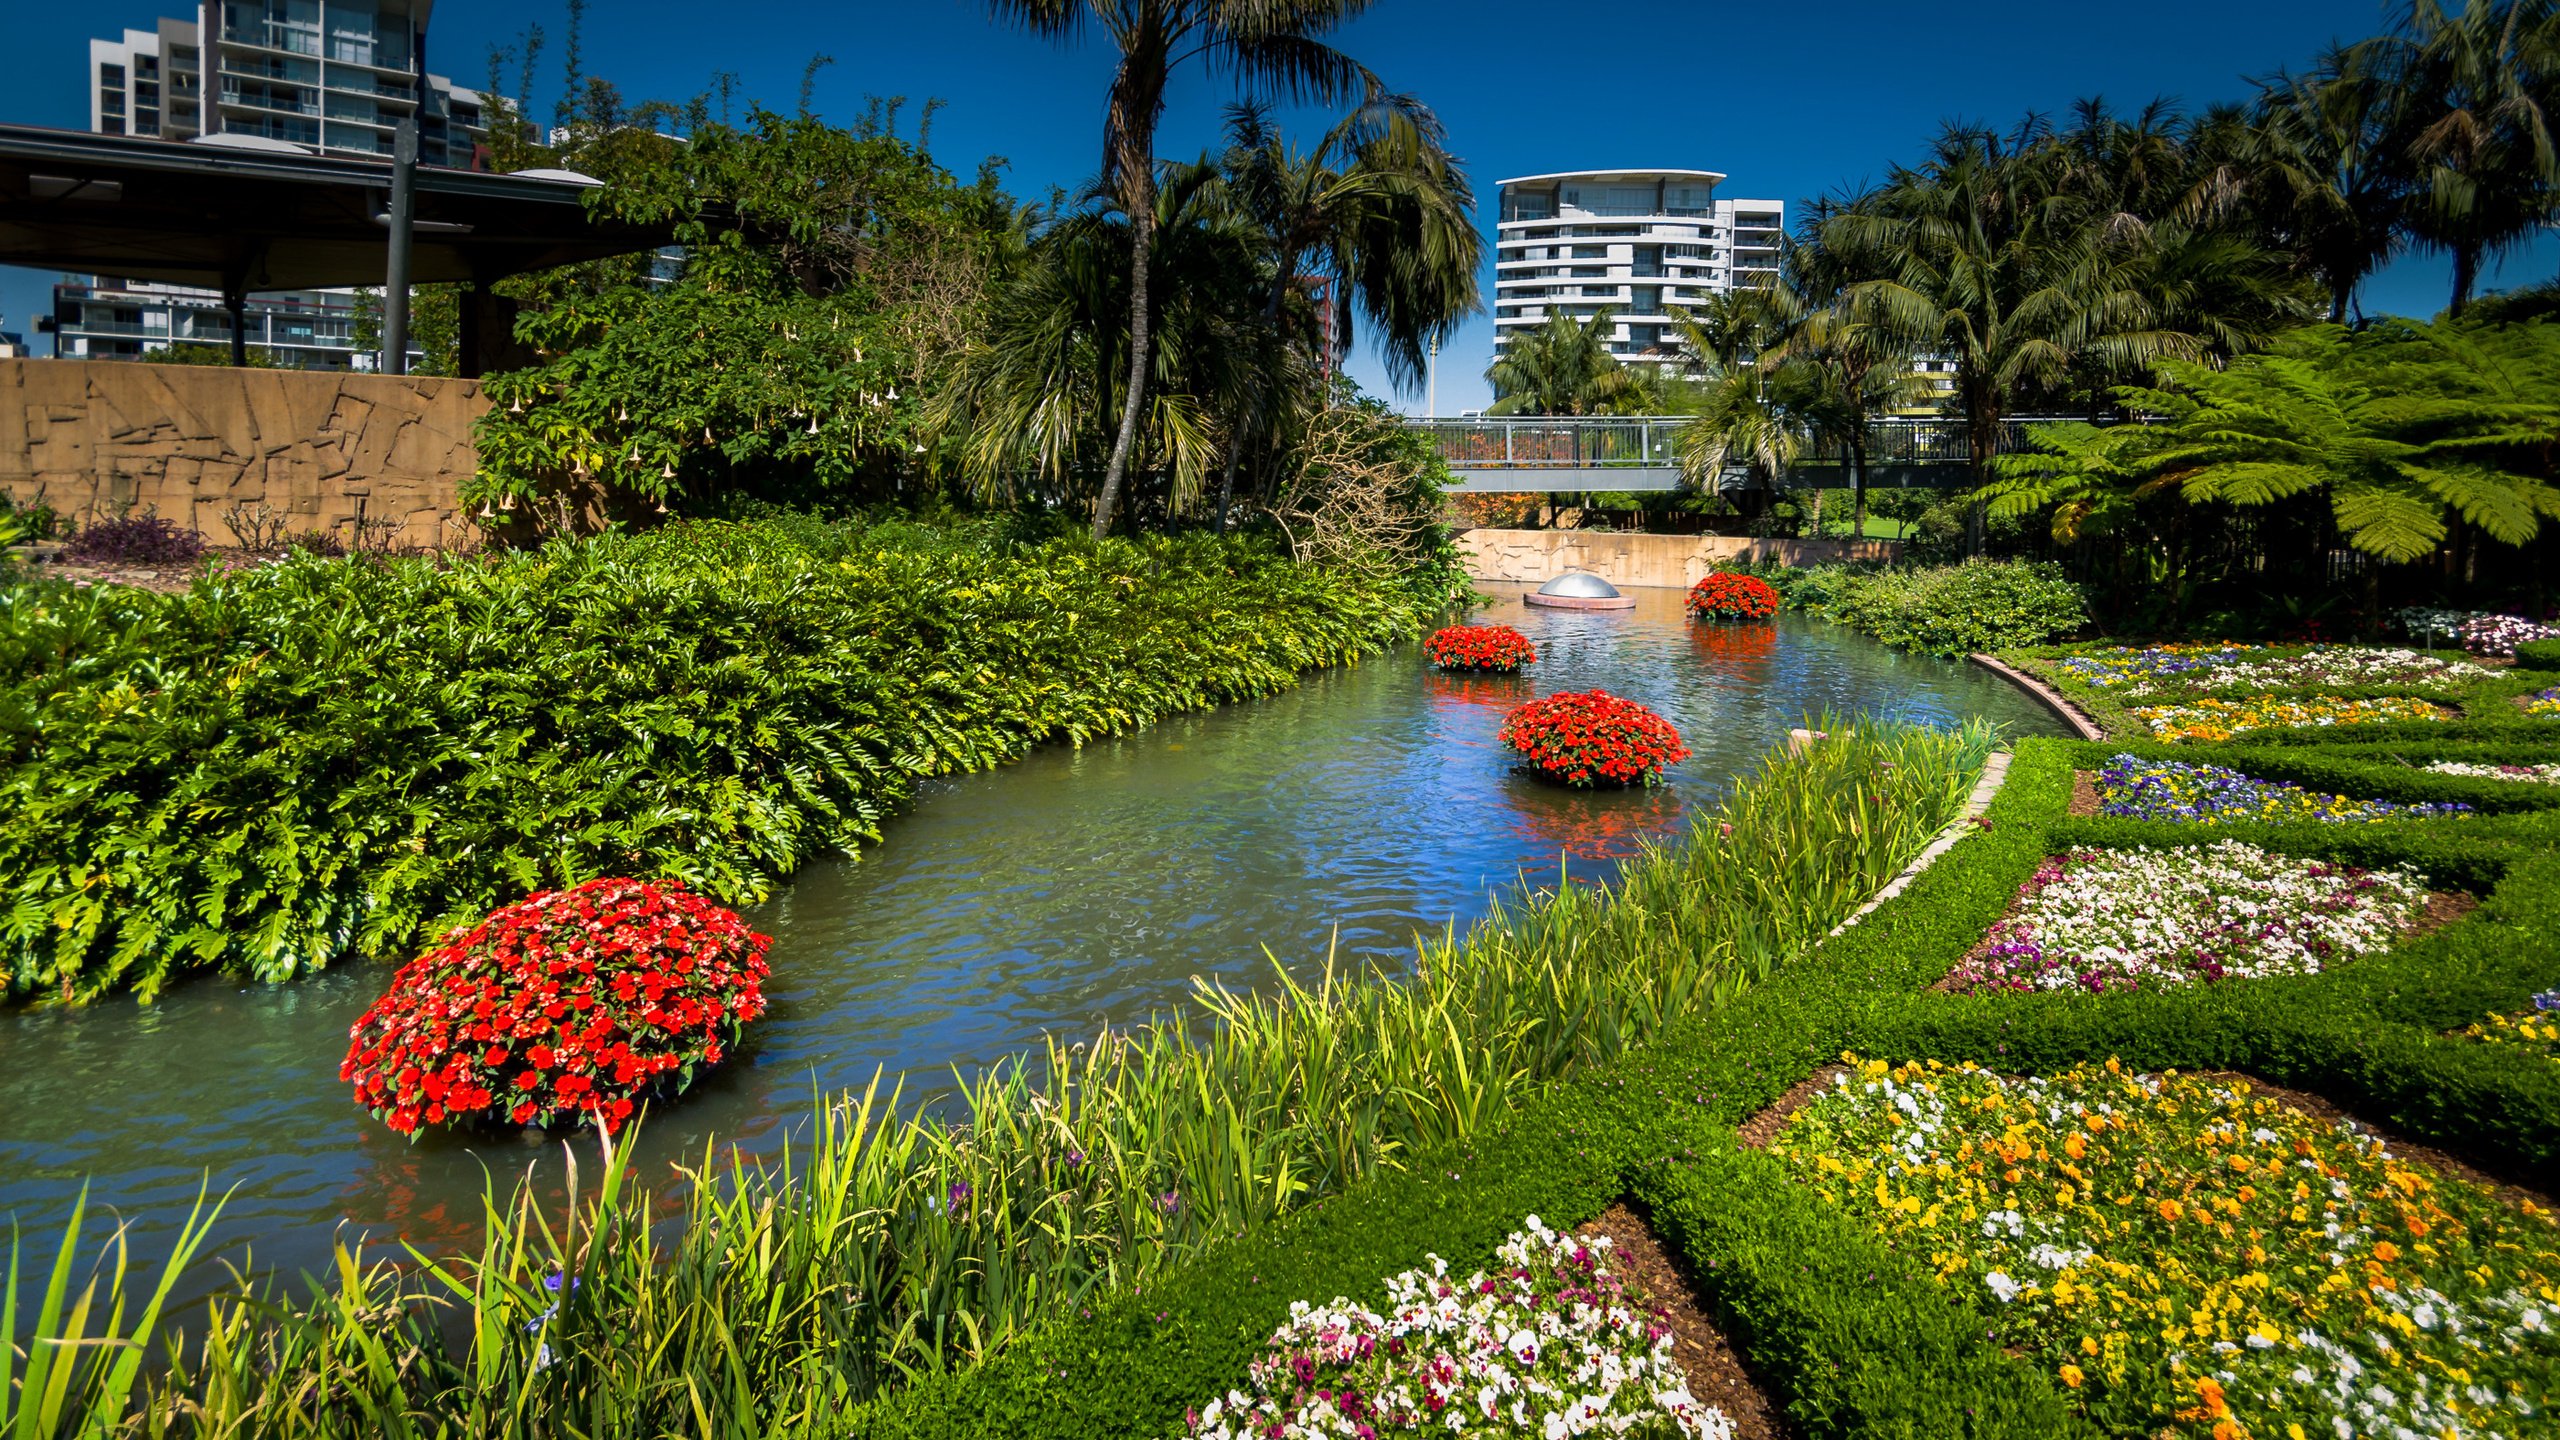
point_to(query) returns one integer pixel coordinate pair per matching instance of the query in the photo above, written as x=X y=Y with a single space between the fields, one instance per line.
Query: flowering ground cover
x=2536 y=1030
x=2133 y=788
x=2529 y=774
x=2101 y=920
x=1589 y=738
x=2482 y=632
x=1552 y=1342
x=2216 y=719
x=2543 y=702
x=571 y=1006
x=1497 y=648
x=2195 y=670
x=2186 y=1256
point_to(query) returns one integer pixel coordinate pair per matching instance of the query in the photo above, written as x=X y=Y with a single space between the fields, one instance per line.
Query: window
x=1590 y=252
x=1609 y=291
x=1648 y=299
x=111 y=77
x=1528 y=204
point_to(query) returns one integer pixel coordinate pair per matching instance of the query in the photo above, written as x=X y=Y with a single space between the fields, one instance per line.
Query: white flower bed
x=2529 y=774
x=1549 y=1347
x=2121 y=919
x=2329 y=665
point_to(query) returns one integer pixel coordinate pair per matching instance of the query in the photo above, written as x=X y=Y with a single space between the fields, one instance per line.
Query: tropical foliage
x=1950 y=609
x=316 y=760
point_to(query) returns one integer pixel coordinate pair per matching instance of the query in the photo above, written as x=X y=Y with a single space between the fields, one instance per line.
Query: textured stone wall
x=1537 y=556
x=99 y=438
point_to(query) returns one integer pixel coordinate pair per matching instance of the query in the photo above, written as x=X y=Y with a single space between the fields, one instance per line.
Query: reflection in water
x=1077 y=887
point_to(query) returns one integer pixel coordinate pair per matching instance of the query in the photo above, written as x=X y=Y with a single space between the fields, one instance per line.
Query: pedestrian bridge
x=1642 y=453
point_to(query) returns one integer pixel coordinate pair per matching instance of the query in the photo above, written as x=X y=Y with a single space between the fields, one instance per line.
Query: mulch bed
x=1762 y=1128
x=1716 y=1373
x=2084 y=792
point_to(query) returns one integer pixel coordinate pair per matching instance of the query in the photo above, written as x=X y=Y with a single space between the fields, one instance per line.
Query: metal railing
x=1550 y=442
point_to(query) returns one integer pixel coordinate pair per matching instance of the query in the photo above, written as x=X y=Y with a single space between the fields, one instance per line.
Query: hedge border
x=1847 y=1336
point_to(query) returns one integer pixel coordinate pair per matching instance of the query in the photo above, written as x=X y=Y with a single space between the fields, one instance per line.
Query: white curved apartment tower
x=1635 y=242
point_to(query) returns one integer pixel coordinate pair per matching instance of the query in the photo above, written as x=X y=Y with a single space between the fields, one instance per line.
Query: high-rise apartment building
x=1639 y=243
x=331 y=76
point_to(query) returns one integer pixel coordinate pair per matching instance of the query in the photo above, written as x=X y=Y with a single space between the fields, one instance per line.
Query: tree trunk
x=1858 y=485
x=1227 y=483
x=1982 y=441
x=1142 y=234
x=2466 y=274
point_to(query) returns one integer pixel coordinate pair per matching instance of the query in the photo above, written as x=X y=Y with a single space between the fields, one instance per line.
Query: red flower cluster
x=1479 y=647
x=1591 y=737
x=1723 y=596
x=567 y=1006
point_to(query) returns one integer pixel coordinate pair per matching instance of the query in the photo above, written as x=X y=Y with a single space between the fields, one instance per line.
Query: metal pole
x=236 y=304
x=395 y=279
x=1431 y=368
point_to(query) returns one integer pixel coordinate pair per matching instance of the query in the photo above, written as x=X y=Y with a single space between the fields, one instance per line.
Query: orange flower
x=2075 y=1147
x=2072 y=1375
x=2170 y=1210
x=2386 y=1252
x=2209 y=1392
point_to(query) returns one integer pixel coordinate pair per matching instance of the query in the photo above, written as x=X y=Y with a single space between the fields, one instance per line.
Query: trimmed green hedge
x=1852 y=1338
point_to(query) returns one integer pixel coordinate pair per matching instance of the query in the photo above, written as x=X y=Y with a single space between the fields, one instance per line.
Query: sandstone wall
x=97 y=438
x=1537 y=556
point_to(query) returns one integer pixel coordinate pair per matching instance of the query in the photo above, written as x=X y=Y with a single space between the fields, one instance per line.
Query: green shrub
x=1951 y=609
x=316 y=759
x=1000 y=1265
x=2538 y=655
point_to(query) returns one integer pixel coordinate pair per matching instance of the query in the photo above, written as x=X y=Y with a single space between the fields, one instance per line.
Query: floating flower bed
x=568 y=1007
x=1589 y=738
x=1551 y=1344
x=2101 y=920
x=2191 y=1257
x=1496 y=648
x=2222 y=719
x=2529 y=774
x=2537 y=1030
x=1724 y=596
x=2136 y=789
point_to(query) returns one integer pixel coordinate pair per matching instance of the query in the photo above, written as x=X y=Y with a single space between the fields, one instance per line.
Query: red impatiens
x=1588 y=738
x=569 y=1006
x=1723 y=596
x=1479 y=647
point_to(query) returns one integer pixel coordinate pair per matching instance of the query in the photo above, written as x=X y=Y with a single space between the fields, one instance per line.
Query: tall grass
x=901 y=1238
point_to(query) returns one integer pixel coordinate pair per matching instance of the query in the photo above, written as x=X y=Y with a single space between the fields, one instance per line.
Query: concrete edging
x=2071 y=715
x=1995 y=773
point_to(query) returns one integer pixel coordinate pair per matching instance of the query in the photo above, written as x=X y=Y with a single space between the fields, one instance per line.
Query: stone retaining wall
x=1537 y=556
x=97 y=438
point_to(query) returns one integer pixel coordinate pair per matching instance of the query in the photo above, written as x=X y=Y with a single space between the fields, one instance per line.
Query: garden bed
x=2159 y=1245
x=1716 y=1371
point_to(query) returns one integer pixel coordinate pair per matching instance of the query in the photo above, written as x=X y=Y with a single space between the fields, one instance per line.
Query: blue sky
x=1789 y=100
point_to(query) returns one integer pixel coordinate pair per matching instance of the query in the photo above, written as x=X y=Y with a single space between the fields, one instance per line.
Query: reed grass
x=900 y=1238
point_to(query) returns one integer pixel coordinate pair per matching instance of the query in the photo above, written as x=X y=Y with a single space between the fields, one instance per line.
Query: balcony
x=273 y=36
x=269 y=101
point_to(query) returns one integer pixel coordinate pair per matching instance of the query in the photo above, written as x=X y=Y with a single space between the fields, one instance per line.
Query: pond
x=1076 y=887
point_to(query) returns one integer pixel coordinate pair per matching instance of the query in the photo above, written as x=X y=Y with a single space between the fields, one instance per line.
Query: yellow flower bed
x=2189 y=1256
x=2535 y=1030
x=2222 y=719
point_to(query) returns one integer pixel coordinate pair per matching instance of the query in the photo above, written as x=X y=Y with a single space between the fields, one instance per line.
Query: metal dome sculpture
x=1580 y=590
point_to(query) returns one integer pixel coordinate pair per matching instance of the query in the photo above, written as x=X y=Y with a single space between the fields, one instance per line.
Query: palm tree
x=1565 y=368
x=2476 y=125
x=1271 y=43
x=1032 y=397
x=1379 y=213
x=1738 y=415
x=1853 y=367
x=2326 y=172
